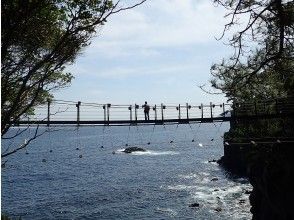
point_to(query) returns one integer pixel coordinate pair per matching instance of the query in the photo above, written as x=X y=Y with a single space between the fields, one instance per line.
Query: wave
x=166 y=210
x=149 y=153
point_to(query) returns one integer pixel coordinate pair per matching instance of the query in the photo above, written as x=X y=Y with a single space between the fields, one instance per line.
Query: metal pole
x=179 y=111
x=48 y=113
x=224 y=111
x=104 y=109
x=201 y=110
x=211 y=110
x=108 y=111
x=187 y=108
x=78 y=112
x=136 y=116
x=130 y=108
x=155 y=112
x=162 y=117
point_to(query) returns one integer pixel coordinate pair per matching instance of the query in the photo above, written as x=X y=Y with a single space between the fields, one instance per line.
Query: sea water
x=83 y=173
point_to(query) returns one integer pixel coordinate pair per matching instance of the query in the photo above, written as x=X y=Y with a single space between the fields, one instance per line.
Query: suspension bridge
x=61 y=112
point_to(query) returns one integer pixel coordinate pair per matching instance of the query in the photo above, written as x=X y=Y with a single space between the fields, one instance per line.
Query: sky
x=159 y=52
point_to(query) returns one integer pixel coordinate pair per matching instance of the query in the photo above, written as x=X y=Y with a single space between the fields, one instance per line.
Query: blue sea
x=82 y=173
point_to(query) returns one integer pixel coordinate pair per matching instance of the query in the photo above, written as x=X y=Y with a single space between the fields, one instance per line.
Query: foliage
x=262 y=65
x=38 y=39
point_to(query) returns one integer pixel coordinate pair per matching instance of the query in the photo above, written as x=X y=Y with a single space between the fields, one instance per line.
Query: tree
x=38 y=39
x=262 y=65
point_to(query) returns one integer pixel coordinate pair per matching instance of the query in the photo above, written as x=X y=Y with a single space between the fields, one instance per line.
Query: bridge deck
x=154 y=122
x=80 y=113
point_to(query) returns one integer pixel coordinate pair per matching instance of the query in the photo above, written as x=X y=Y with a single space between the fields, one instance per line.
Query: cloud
x=159 y=51
x=127 y=71
x=159 y=24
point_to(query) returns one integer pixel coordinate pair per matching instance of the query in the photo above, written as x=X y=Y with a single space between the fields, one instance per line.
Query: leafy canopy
x=38 y=39
x=262 y=65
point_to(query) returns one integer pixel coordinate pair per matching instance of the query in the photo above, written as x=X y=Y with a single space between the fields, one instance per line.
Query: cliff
x=269 y=165
x=271 y=174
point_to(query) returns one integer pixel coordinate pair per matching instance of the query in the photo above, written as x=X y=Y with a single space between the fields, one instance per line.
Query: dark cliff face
x=269 y=166
x=271 y=174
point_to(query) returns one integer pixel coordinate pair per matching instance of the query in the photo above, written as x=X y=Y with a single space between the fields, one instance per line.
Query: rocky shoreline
x=270 y=171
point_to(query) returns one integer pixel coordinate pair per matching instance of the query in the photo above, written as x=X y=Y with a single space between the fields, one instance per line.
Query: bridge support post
x=48 y=112
x=201 y=110
x=187 y=109
x=136 y=114
x=224 y=110
x=211 y=115
x=104 y=109
x=162 y=116
x=179 y=111
x=78 y=112
x=108 y=112
x=155 y=113
x=130 y=108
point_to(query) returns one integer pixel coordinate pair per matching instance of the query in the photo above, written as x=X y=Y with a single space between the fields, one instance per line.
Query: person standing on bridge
x=146 y=111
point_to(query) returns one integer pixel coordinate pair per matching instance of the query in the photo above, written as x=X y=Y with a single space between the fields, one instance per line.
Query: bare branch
x=26 y=143
x=130 y=7
x=202 y=87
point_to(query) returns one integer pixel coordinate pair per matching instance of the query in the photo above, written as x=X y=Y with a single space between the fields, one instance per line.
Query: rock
x=50 y=151
x=81 y=156
x=241 y=201
x=77 y=148
x=247 y=192
x=133 y=149
x=216 y=190
x=194 y=205
x=212 y=161
x=218 y=209
x=113 y=152
x=214 y=179
x=44 y=160
x=102 y=146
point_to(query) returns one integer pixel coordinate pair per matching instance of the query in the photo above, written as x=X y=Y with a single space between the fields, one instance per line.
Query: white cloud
x=161 y=50
x=123 y=72
x=159 y=24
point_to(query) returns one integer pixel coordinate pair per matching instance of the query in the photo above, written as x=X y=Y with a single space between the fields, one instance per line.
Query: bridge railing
x=267 y=107
x=69 y=111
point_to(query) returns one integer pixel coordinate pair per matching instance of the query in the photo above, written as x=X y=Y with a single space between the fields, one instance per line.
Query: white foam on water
x=166 y=210
x=198 y=176
x=189 y=176
x=154 y=153
x=148 y=152
x=205 y=196
x=205 y=180
x=204 y=174
x=182 y=187
x=232 y=190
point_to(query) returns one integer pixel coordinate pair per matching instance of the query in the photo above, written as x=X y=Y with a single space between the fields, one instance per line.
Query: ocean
x=83 y=173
